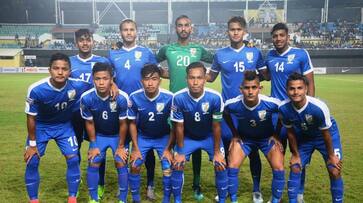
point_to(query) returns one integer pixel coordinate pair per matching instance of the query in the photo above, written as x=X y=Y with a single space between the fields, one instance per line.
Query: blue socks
x=134 y=182
x=32 y=178
x=122 y=183
x=92 y=181
x=73 y=175
x=255 y=168
x=233 y=183
x=177 y=184
x=278 y=184
x=221 y=179
x=337 y=190
x=293 y=186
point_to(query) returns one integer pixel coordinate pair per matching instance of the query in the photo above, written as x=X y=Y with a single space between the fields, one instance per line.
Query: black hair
x=102 y=67
x=238 y=19
x=296 y=76
x=196 y=65
x=59 y=56
x=127 y=20
x=150 y=69
x=280 y=26
x=180 y=17
x=83 y=32
x=250 y=75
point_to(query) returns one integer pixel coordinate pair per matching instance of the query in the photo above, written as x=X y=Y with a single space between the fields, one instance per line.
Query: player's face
x=184 y=28
x=235 y=32
x=296 y=91
x=128 y=32
x=102 y=81
x=85 y=44
x=250 y=90
x=59 y=72
x=280 y=39
x=196 y=79
x=151 y=83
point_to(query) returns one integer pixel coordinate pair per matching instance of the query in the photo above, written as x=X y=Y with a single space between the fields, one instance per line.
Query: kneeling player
x=49 y=106
x=149 y=112
x=310 y=127
x=106 y=126
x=255 y=131
x=197 y=112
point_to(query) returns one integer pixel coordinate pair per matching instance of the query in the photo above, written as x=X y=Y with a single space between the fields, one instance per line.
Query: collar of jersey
x=237 y=50
x=54 y=88
x=196 y=99
x=251 y=108
x=129 y=49
x=152 y=99
x=84 y=60
x=302 y=108
x=285 y=52
x=102 y=98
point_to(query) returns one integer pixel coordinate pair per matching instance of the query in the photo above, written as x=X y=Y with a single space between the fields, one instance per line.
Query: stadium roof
x=161 y=1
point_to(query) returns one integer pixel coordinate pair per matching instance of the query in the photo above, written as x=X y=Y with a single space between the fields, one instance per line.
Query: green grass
x=343 y=93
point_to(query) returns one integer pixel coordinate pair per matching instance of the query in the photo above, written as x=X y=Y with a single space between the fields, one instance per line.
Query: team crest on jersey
x=138 y=55
x=113 y=106
x=71 y=95
x=205 y=107
x=309 y=118
x=159 y=108
x=193 y=52
x=290 y=58
x=262 y=115
x=249 y=56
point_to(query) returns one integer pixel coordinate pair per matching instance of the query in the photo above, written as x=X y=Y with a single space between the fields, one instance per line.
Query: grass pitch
x=342 y=93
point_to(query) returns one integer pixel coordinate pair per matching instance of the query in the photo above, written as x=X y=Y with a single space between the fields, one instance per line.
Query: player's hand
x=122 y=153
x=218 y=161
x=30 y=152
x=179 y=161
x=234 y=140
x=333 y=160
x=295 y=160
x=114 y=91
x=135 y=155
x=168 y=156
x=92 y=153
x=277 y=144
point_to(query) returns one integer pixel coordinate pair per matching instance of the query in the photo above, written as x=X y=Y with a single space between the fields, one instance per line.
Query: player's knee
x=96 y=161
x=334 y=173
x=295 y=168
x=167 y=172
x=136 y=166
x=33 y=162
x=119 y=162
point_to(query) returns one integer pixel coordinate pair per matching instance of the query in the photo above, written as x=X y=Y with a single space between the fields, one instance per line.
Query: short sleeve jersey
x=82 y=68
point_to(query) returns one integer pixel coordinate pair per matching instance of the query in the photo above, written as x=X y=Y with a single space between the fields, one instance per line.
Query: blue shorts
x=306 y=147
x=63 y=134
x=105 y=142
x=207 y=144
x=283 y=131
x=248 y=145
x=146 y=144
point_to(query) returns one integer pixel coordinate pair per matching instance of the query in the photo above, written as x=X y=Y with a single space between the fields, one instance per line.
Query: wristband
x=92 y=144
x=32 y=143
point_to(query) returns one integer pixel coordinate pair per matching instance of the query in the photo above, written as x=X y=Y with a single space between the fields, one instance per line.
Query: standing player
x=255 y=131
x=232 y=62
x=281 y=62
x=310 y=127
x=179 y=55
x=106 y=127
x=128 y=62
x=197 y=112
x=82 y=65
x=149 y=113
x=49 y=106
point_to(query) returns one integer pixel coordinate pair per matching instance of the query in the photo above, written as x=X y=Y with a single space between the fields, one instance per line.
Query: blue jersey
x=151 y=114
x=197 y=114
x=128 y=64
x=51 y=105
x=82 y=68
x=105 y=112
x=232 y=63
x=282 y=65
x=254 y=122
x=308 y=121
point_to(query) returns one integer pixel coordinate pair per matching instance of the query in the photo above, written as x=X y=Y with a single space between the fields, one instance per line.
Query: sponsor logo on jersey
x=290 y=58
x=249 y=56
x=205 y=107
x=113 y=106
x=138 y=55
x=309 y=118
x=193 y=52
x=160 y=108
x=262 y=115
x=71 y=95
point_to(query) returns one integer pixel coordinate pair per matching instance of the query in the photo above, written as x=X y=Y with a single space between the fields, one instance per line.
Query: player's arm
x=93 y=150
x=214 y=70
x=135 y=154
x=31 y=149
x=164 y=72
x=171 y=142
x=121 y=151
x=333 y=160
x=212 y=75
x=114 y=92
x=228 y=119
x=311 y=86
x=264 y=74
x=179 y=158
x=160 y=57
x=207 y=56
x=218 y=160
x=295 y=156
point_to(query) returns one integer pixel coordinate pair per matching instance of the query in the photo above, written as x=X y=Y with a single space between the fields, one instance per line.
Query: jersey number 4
x=279 y=67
